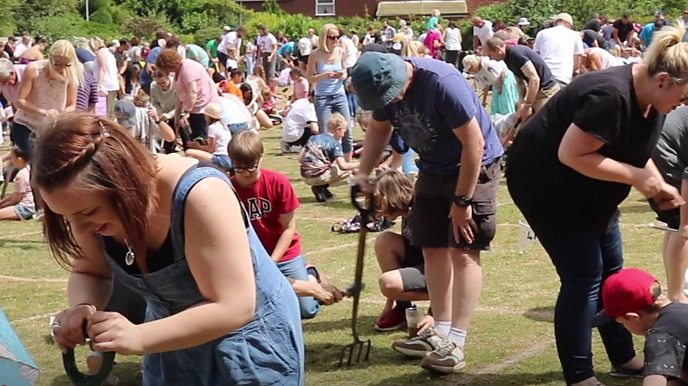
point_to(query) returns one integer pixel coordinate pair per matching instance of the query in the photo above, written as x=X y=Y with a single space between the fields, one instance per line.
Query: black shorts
x=413 y=271
x=671 y=217
x=429 y=220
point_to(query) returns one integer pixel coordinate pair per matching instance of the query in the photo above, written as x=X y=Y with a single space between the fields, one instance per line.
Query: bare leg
x=438 y=274
x=389 y=249
x=8 y=214
x=467 y=286
x=675 y=254
x=199 y=155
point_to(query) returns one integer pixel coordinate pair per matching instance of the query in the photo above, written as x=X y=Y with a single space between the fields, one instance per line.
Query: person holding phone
x=326 y=72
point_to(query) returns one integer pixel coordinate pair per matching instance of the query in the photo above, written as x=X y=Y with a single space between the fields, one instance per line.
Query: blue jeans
x=325 y=105
x=296 y=269
x=353 y=103
x=583 y=258
x=23 y=138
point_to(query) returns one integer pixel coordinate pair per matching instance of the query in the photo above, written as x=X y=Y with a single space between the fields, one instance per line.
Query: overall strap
x=190 y=178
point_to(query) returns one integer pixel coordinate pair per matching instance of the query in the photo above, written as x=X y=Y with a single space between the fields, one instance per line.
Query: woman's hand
x=110 y=331
x=668 y=197
x=648 y=183
x=68 y=326
x=192 y=144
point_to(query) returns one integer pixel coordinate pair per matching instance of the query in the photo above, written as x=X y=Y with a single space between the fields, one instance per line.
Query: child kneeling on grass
x=632 y=297
x=20 y=204
x=322 y=160
x=271 y=203
x=403 y=271
x=215 y=150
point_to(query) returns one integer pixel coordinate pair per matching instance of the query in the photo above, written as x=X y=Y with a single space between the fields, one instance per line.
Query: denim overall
x=266 y=351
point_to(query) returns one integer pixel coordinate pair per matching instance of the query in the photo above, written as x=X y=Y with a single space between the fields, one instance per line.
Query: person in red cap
x=631 y=297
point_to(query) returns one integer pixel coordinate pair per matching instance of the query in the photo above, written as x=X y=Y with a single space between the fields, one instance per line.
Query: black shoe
x=620 y=372
x=326 y=191
x=318 y=193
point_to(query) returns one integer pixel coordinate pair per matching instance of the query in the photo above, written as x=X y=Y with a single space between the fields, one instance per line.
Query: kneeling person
x=271 y=202
x=322 y=160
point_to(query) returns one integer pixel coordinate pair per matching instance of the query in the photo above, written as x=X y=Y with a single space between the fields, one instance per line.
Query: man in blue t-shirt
x=453 y=214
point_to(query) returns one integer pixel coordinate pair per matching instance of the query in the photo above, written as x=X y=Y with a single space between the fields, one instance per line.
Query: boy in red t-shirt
x=270 y=202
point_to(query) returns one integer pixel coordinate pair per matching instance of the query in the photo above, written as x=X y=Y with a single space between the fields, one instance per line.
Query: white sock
x=458 y=337
x=443 y=327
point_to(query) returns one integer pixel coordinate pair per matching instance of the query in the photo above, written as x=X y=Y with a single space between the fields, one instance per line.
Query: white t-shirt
x=230 y=39
x=452 y=39
x=557 y=47
x=231 y=64
x=267 y=43
x=608 y=60
x=305 y=46
x=222 y=137
x=483 y=33
x=233 y=110
x=351 y=52
x=302 y=112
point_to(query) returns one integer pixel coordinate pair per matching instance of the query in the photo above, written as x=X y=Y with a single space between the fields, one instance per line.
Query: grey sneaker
x=447 y=358
x=419 y=346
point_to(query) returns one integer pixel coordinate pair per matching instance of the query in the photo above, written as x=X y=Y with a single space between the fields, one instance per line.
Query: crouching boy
x=322 y=160
x=632 y=297
x=271 y=203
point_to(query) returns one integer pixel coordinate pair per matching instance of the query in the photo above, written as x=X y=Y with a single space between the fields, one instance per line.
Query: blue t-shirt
x=321 y=151
x=286 y=49
x=146 y=78
x=438 y=101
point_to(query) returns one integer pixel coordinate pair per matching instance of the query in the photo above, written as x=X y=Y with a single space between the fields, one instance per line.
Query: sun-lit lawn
x=511 y=341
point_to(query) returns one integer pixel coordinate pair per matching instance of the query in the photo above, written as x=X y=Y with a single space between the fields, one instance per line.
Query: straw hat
x=213 y=110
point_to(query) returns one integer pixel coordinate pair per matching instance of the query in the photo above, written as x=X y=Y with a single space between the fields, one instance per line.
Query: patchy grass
x=511 y=340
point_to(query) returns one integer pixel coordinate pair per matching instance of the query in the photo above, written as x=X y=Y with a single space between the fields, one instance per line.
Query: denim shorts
x=223 y=161
x=24 y=212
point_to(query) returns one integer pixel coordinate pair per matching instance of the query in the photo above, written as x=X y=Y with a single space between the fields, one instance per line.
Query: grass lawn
x=511 y=340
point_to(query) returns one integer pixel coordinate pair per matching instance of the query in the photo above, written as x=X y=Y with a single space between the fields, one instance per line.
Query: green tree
x=102 y=16
x=271 y=6
x=7 y=21
x=29 y=9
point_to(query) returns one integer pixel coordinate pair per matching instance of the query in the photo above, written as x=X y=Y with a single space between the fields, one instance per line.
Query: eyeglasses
x=333 y=37
x=252 y=169
x=62 y=65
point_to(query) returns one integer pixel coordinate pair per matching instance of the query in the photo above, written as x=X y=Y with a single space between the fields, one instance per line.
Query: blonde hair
x=323 y=36
x=668 y=53
x=436 y=12
x=96 y=43
x=336 y=120
x=414 y=49
x=393 y=193
x=74 y=73
x=471 y=62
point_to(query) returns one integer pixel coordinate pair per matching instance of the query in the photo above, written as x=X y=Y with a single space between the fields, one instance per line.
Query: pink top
x=301 y=88
x=430 y=39
x=11 y=91
x=22 y=185
x=46 y=94
x=193 y=71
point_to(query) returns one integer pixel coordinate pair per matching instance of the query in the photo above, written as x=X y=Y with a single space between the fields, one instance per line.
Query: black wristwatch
x=462 y=201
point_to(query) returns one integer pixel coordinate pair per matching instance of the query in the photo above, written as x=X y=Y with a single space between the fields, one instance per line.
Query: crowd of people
x=144 y=161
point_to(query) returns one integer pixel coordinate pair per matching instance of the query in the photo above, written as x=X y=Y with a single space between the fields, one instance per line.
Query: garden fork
x=80 y=379
x=358 y=350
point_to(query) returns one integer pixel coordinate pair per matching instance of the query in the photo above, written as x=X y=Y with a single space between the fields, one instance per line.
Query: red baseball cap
x=628 y=290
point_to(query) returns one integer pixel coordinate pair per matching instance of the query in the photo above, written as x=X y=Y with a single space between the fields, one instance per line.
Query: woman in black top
x=570 y=167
